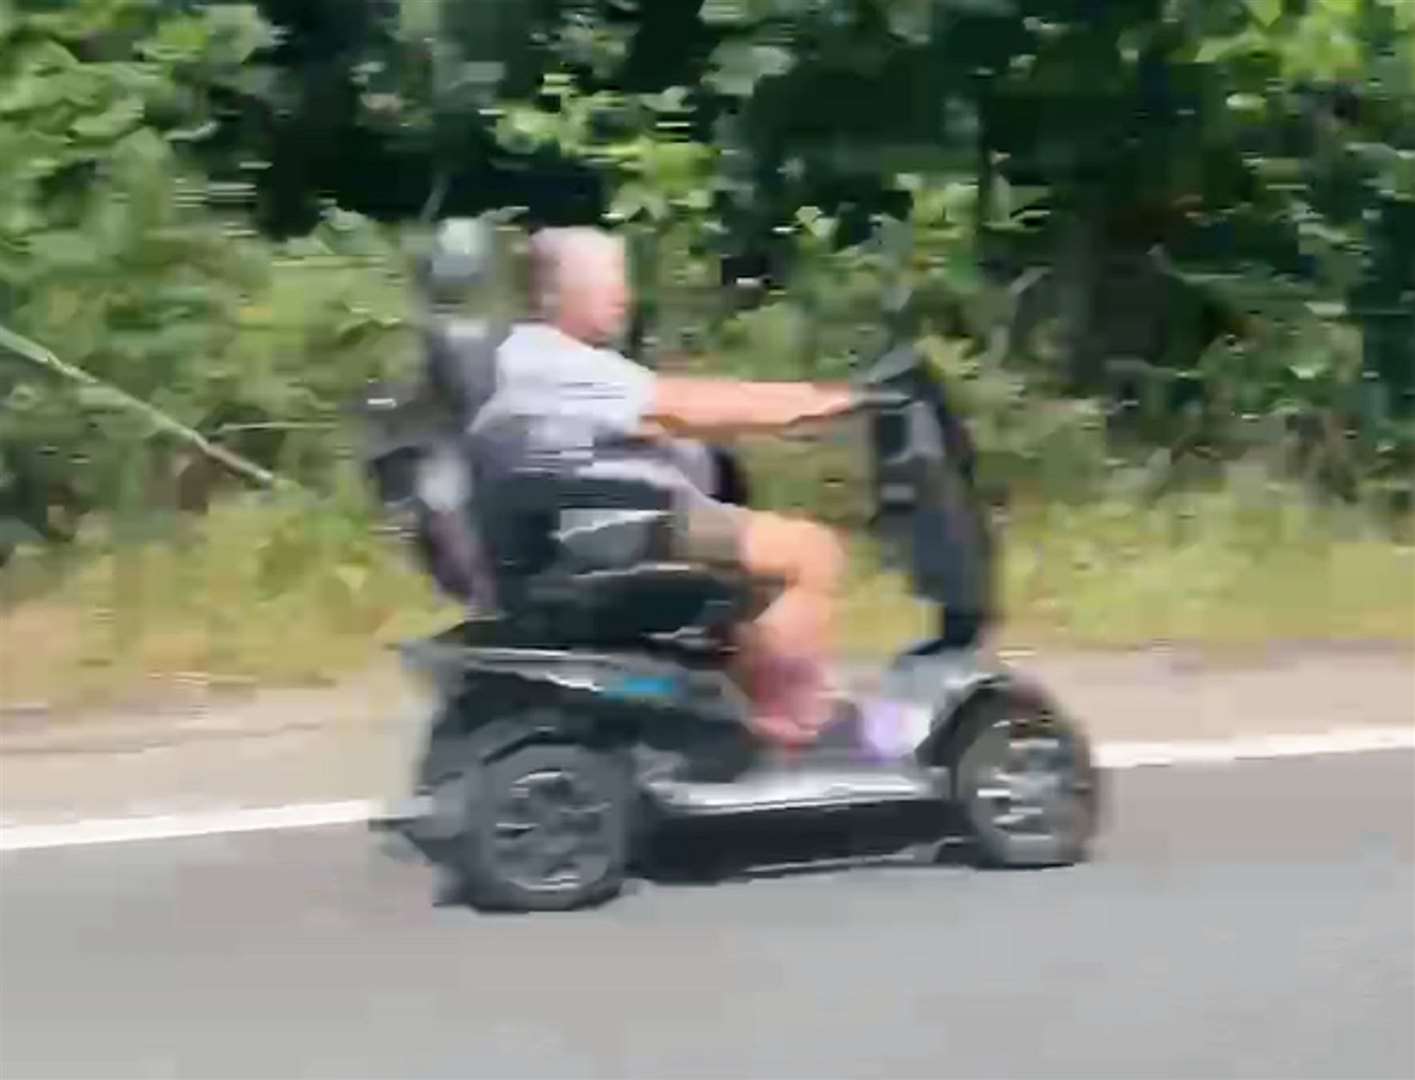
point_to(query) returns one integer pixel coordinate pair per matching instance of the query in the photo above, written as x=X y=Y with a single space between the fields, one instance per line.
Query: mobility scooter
x=588 y=715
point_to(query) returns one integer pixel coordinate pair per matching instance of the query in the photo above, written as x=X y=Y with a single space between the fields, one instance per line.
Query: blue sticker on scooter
x=650 y=687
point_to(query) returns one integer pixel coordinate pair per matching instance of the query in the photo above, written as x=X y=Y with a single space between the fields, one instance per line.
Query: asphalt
x=1254 y=920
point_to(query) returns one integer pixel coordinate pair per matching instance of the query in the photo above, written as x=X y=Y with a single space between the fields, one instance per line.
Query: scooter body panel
x=686 y=725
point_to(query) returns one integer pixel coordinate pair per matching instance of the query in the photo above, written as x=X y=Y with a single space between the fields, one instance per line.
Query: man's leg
x=786 y=649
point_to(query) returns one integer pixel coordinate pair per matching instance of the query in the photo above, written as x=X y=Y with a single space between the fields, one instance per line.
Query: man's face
x=595 y=298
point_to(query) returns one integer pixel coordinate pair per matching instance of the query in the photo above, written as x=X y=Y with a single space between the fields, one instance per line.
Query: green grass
x=1221 y=570
x=267 y=592
x=275 y=592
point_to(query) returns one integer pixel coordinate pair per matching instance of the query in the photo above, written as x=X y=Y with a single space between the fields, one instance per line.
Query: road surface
x=1249 y=920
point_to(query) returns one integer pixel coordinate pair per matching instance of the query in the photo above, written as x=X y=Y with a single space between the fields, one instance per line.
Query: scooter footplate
x=799 y=789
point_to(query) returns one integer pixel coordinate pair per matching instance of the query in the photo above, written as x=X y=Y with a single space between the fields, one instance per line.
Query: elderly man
x=562 y=371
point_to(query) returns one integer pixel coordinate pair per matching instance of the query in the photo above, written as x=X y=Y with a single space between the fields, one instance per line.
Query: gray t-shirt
x=561 y=395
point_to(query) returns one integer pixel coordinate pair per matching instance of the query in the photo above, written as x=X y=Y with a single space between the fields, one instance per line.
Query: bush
x=281 y=589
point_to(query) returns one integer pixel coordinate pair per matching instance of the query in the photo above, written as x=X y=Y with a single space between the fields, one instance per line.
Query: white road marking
x=1356 y=740
x=174 y=826
x=1111 y=755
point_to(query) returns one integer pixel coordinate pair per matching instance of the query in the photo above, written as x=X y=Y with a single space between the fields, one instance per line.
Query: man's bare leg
x=786 y=649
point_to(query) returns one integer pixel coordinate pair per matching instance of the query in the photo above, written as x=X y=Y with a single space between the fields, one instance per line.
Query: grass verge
x=286 y=593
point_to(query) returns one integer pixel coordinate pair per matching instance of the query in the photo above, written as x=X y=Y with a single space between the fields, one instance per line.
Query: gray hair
x=555 y=251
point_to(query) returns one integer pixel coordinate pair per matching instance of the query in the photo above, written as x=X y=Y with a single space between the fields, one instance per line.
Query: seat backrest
x=419 y=455
x=578 y=552
x=449 y=533
x=460 y=360
x=569 y=518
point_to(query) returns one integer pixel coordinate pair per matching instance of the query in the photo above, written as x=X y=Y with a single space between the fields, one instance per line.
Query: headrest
x=461 y=256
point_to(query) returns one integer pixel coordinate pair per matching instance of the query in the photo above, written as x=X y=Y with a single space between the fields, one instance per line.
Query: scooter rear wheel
x=547 y=828
x=1025 y=784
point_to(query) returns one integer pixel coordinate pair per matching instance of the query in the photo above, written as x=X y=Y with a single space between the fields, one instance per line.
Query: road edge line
x=179 y=826
x=1118 y=755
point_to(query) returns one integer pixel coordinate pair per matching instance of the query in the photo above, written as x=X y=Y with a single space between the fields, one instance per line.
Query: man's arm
x=705 y=407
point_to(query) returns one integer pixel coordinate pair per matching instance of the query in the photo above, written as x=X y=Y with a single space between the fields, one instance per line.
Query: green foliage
x=1321 y=98
x=116 y=254
x=1144 y=240
x=104 y=249
x=1170 y=214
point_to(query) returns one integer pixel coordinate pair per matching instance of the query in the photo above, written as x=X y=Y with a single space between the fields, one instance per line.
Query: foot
x=792 y=700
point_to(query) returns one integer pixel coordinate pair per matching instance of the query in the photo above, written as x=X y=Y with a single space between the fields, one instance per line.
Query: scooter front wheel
x=1025 y=784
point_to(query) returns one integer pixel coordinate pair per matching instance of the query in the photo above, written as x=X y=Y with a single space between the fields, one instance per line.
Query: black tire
x=547 y=828
x=1044 y=813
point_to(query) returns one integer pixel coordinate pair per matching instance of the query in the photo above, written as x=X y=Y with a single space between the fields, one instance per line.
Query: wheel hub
x=1033 y=785
x=549 y=831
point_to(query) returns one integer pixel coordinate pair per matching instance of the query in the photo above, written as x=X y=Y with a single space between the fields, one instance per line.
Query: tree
x=111 y=247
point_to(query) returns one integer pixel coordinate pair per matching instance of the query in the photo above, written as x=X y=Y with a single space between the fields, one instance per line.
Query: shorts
x=705 y=531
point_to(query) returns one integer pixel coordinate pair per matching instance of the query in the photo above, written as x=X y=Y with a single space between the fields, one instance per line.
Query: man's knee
x=822 y=558
x=806 y=553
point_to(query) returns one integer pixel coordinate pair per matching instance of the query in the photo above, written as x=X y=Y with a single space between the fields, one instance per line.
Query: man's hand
x=821 y=401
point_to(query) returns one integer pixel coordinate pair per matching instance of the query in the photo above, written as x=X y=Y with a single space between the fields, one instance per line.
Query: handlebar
x=879 y=400
x=899 y=366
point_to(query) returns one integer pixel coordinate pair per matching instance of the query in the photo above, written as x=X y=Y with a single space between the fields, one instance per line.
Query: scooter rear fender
x=505 y=697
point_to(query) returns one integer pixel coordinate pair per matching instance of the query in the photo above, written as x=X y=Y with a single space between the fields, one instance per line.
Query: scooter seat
x=630 y=604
